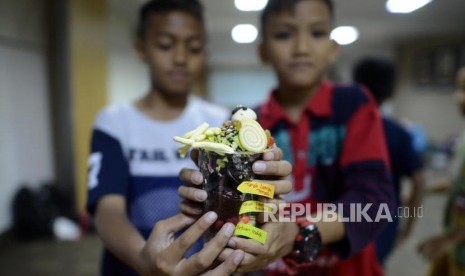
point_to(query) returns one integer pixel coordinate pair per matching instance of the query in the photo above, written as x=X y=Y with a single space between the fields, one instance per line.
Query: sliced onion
x=252 y=136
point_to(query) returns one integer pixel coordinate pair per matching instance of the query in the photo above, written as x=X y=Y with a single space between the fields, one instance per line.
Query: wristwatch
x=307 y=244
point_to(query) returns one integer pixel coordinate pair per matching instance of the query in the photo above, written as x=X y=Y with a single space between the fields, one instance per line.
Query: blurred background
x=63 y=60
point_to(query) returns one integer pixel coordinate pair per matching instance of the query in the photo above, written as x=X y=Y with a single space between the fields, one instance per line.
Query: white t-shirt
x=135 y=156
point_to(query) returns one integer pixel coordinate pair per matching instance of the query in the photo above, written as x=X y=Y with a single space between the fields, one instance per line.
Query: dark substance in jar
x=221 y=184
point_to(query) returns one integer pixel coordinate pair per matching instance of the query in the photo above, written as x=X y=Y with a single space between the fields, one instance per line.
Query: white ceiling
x=380 y=31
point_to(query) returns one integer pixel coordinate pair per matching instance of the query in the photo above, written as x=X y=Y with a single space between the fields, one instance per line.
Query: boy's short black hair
x=192 y=7
x=276 y=6
x=378 y=75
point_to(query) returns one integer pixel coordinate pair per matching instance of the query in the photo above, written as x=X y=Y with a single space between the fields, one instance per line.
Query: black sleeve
x=108 y=171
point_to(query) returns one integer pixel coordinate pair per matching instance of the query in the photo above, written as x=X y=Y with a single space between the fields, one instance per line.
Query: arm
x=435 y=247
x=367 y=180
x=118 y=234
x=410 y=165
x=108 y=187
x=439 y=186
x=330 y=231
x=412 y=202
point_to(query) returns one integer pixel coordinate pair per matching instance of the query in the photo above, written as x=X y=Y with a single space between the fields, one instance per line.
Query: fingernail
x=238 y=258
x=268 y=156
x=200 y=195
x=229 y=229
x=232 y=243
x=210 y=217
x=259 y=166
x=197 y=178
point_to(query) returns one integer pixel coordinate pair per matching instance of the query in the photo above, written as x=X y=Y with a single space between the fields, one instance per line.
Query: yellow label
x=251 y=232
x=256 y=188
x=253 y=206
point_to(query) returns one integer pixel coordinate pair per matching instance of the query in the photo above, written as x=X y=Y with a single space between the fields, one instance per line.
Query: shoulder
x=111 y=117
x=348 y=99
x=208 y=107
x=351 y=94
x=392 y=127
x=210 y=111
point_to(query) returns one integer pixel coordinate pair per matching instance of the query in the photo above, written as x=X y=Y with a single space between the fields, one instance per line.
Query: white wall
x=433 y=107
x=351 y=54
x=249 y=87
x=25 y=134
x=128 y=77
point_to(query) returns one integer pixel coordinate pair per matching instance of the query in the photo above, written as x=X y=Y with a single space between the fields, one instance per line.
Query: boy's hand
x=272 y=169
x=163 y=255
x=280 y=242
x=436 y=247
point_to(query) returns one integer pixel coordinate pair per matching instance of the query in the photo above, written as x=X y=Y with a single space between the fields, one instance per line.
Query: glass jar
x=222 y=175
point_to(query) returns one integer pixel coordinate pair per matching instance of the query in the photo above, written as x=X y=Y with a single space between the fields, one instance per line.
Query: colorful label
x=251 y=232
x=256 y=188
x=253 y=206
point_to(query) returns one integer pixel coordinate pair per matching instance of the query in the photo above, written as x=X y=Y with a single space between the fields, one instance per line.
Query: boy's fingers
x=205 y=258
x=274 y=154
x=249 y=263
x=191 y=176
x=229 y=266
x=281 y=187
x=274 y=168
x=172 y=224
x=190 y=208
x=249 y=246
x=225 y=254
x=191 y=235
x=193 y=194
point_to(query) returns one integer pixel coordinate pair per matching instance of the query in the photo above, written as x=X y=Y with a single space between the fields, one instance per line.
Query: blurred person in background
x=379 y=76
x=134 y=165
x=447 y=251
x=333 y=137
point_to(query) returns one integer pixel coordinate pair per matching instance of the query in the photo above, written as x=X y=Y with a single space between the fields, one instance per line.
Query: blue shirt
x=135 y=156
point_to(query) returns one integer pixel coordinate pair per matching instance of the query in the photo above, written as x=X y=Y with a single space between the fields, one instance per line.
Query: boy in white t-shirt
x=134 y=166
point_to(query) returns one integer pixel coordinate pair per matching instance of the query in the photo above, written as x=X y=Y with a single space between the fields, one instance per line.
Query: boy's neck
x=294 y=100
x=162 y=107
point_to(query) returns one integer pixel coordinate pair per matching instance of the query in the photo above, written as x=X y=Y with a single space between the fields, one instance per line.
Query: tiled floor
x=52 y=258
x=405 y=261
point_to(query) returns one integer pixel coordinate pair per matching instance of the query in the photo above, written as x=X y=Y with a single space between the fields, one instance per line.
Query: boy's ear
x=139 y=46
x=334 y=53
x=262 y=53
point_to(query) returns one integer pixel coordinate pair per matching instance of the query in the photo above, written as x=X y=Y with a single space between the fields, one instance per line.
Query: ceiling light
x=244 y=33
x=250 y=5
x=344 y=35
x=405 y=6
